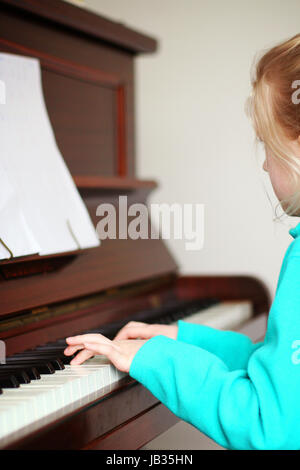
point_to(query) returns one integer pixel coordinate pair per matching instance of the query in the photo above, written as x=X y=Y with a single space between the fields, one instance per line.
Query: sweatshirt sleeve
x=223 y=344
x=252 y=408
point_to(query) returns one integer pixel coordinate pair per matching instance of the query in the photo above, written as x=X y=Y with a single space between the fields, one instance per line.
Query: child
x=242 y=395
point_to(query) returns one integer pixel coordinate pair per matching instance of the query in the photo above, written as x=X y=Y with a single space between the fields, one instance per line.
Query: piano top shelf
x=83 y=21
x=112 y=183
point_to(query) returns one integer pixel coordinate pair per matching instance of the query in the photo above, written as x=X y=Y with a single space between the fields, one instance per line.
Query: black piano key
x=20 y=375
x=34 y=360
x=9 y=381
x=32 y=372
x=57 y=353
x=53 y=354
x=67 y=359
x=51 y=347
x=42 y=367
x=168 y=312
x=48 y=355
x=59 y=344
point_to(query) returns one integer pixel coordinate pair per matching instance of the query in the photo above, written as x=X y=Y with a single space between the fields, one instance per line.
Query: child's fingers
x=112 y=352
x=82 y=357
x=92 y=338
x=133 y=331
x=106 y=349
x=72 y=349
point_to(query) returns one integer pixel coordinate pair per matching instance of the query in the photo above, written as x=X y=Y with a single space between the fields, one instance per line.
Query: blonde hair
x=274 y=114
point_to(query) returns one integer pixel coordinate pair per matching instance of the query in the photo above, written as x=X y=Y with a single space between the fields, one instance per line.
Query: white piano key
x=23 y=411
x=225 y=315
x=9 y=413
x=34 y=402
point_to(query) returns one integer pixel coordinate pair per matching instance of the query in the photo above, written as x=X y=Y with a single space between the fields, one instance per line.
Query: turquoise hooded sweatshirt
x=242 y=395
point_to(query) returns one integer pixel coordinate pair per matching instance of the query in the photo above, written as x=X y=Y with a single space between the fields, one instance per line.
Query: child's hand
x=120 y=353
x=134 y=330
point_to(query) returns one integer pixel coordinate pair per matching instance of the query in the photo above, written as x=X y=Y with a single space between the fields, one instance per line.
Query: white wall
x=192 y=133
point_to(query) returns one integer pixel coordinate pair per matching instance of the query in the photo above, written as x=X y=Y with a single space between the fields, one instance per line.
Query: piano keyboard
x=39 y=386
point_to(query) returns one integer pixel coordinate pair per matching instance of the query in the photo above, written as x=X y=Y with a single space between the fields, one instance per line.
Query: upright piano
x=87 y=66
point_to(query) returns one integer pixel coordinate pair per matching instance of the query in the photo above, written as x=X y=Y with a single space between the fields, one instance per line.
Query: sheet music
x=13 y=227
x=48 y=209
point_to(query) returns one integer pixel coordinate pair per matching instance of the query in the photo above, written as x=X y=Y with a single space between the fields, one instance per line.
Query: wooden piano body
x=88 y=80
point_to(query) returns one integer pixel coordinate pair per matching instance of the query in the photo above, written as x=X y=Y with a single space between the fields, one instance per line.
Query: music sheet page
x=41 y=210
